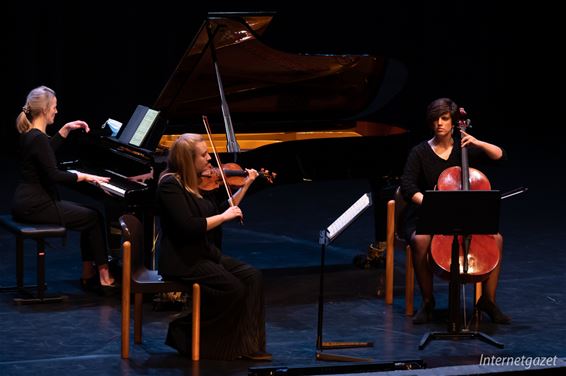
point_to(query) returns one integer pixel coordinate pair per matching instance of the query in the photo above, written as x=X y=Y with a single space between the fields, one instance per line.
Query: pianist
x=233 y=317
x=36 y=199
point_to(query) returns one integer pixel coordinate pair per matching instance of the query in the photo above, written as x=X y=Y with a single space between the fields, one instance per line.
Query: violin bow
x=220 y=169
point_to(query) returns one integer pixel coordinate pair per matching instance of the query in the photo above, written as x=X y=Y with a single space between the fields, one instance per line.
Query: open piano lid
x=268 y=90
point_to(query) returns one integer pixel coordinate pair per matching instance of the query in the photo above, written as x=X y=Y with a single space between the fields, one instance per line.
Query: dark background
x=503 y=64
x=103 y=58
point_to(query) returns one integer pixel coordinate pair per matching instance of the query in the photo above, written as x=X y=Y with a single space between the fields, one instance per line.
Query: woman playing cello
x=426 y=161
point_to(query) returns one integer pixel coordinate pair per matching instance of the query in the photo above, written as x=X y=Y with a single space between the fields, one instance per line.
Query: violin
x=483 y=252
x=235 y=176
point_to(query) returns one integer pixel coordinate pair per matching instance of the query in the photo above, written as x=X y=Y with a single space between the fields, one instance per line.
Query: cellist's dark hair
x=441 y=106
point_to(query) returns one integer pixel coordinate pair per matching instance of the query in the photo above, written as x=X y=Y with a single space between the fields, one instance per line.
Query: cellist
x=426 y=161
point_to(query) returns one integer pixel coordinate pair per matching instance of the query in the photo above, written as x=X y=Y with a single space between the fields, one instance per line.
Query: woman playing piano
x=233 y=317
x=36 y=199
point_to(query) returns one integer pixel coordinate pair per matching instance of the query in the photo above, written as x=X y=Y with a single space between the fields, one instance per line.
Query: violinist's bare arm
x=240 y=193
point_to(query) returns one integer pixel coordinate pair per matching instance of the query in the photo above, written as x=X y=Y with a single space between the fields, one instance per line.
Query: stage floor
x=280 y=236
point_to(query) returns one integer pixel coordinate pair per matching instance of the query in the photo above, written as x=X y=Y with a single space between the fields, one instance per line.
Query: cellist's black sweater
x=421 y=172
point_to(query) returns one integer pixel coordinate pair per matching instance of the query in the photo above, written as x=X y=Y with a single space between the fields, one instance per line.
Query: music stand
x=458 y=213
x=326 y=237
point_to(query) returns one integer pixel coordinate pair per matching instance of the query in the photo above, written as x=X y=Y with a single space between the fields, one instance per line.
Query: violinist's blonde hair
x=181 y=162
x=37 y=102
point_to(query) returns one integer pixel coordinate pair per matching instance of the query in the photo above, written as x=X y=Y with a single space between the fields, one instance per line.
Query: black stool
x=37 y=232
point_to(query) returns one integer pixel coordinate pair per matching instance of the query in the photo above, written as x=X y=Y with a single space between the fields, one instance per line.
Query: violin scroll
x=267 y=175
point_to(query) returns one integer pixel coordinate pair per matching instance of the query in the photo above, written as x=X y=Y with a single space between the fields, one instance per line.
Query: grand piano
x=306 y=117
x=291 y=112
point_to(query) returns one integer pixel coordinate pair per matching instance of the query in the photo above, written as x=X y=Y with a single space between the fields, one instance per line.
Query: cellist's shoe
x=493 y=311
x=424 y=314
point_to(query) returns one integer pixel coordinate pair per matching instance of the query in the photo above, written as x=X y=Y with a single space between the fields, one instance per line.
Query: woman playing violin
x=426 y=161
x=233 y=317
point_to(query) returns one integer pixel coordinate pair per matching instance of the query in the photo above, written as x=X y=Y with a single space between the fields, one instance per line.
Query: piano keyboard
x=118 y=185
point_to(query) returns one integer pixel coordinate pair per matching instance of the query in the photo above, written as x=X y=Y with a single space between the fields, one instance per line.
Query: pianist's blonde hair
x=37 y=101
x=181 y=161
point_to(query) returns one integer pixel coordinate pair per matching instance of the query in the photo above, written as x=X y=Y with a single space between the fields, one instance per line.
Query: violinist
x=426 y=161
x=233 y=316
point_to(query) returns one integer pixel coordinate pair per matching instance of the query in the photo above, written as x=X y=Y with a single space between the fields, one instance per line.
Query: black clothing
x=36 y=199
x=421 y=172
x=185 y=241
x=233 y=311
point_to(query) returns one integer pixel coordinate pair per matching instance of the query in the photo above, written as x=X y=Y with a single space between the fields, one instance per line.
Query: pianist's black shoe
x=109 y=290
x=91 y=284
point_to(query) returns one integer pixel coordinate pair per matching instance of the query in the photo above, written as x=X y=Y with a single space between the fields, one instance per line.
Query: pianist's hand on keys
x=100 y=181
x=116 y=185
x=93 y=179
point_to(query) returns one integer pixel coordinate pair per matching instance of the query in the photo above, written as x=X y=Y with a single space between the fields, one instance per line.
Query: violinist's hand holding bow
x=231 y=213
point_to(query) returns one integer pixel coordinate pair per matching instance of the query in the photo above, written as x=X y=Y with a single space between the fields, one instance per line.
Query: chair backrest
x=400 y=206
x=144 y=280
x=132 y=231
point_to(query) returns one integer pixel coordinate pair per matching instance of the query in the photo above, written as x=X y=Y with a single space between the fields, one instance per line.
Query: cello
x=479 y=255
x=463 y=258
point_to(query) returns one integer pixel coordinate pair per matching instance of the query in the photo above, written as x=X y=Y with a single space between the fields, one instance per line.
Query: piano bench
x=38 y=233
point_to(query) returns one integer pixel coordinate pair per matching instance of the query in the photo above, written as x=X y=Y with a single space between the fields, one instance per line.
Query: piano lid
x=265 y=85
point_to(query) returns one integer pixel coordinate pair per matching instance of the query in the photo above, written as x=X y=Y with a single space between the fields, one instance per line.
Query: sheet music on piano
x=143 y=128
x=346 y=218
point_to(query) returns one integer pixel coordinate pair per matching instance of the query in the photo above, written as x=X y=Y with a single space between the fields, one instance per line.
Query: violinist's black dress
x=233 y=313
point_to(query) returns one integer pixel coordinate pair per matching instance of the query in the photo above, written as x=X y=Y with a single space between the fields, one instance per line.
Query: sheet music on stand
x=349 y=216
x=326 y=236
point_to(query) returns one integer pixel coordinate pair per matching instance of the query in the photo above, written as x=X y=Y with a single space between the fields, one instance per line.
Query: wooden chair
x=137 y=279
x=395 y=210
x=38 y=233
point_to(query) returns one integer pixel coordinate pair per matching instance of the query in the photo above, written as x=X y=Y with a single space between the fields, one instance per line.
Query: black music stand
x=326 y=237
x=458 y=213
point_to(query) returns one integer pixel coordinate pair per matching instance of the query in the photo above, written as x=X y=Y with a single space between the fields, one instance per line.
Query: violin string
x=228 y=191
